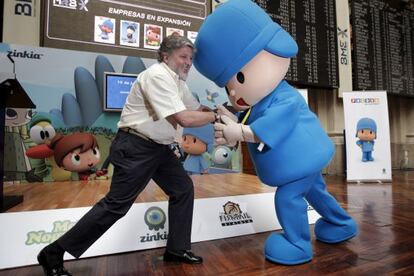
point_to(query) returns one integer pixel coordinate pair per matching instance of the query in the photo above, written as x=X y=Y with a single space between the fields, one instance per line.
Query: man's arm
x=192 y=118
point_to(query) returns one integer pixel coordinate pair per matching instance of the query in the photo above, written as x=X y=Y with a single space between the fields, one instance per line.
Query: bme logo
x=24 y=7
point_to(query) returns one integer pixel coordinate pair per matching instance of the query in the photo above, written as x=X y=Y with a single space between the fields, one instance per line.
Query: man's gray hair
x=172 y=43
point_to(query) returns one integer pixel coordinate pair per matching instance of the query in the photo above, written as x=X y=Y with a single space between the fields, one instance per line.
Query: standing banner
x=367 y=134
x=344 y=46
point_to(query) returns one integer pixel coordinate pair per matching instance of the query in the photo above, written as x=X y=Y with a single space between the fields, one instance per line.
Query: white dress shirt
x=157 y=93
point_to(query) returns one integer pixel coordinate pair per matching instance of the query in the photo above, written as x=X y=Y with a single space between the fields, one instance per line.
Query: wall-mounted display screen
x=312 y=23
x=116 y=90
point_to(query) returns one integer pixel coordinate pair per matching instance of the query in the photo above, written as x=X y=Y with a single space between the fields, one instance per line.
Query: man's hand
x=221 y=110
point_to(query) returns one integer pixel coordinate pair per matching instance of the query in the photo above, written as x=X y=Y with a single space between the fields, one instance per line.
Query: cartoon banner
x=145 y=226
x=368 y=151
x=69 y=89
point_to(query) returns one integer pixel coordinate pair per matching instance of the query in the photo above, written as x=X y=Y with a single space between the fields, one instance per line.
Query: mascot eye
x=227 y=90
x=96 y=153
x=194 y=140
x=11 y=114
x=222 y=155
x=362 y=131
x=185 y=138
x=50 y=132
x=37 y=134
x=76 y=159
x=240 y=77
x=29 y=114
x=370 y=132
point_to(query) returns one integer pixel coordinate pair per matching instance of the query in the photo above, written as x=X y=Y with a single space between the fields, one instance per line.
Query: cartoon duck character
x=42 y=132
x=195 y=142
x=285 y=139
x=366 y=133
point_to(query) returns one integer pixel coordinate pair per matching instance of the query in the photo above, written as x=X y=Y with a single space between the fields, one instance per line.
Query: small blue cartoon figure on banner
x=240 y=48
x=106 y=28
x=196 y=141
x=366 y=133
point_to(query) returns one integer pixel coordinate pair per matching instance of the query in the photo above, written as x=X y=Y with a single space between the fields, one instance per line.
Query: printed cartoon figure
x=130 y=30
x=285 y=139
x=195 y=142
x=77 y=152
x=17 y=166
x=366 y=133
x=153 y=35
x=106 y=28
x=42 y=156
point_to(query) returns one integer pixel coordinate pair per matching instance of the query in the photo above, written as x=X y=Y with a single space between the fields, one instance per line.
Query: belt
x=136 y=133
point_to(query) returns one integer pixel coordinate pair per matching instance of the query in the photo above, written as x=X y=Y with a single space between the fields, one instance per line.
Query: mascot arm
x=277 y=122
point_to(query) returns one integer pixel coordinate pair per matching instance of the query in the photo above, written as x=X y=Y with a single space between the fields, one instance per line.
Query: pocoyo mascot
x=241 y=48
x=366 y=133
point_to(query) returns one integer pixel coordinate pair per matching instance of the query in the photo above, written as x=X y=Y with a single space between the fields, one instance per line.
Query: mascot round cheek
x=240 y=48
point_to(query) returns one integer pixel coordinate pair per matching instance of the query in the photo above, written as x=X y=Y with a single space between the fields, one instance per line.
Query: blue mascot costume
x=366 y=133
x=240 y=48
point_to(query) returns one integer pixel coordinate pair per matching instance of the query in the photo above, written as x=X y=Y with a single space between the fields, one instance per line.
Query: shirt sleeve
x=162 y=93
x=189 y=100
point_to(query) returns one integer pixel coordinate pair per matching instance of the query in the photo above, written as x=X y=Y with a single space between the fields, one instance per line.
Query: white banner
x=21 y=22
x=24 y=234
x=344 y=46
x=368 y=151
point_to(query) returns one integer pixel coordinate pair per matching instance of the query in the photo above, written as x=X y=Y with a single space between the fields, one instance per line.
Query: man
x=159 y=101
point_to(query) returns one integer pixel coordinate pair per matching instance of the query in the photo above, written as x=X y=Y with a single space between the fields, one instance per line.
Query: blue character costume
x=289 y=146
x=195 y=163
x=366 y=132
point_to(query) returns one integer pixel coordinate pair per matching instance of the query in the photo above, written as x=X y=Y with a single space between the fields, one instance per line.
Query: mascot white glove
x=231 y=132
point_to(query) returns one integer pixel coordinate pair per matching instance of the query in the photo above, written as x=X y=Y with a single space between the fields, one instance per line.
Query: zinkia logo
x=25 y=54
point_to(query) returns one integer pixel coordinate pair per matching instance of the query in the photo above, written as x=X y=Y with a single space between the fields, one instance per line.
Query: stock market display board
x=382 y=42
x=312 y=23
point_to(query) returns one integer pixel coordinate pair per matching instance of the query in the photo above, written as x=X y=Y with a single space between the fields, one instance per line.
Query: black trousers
x=136 y=161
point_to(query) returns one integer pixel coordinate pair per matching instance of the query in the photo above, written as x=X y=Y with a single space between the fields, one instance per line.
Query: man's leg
x=174 y=181
x=134 y=160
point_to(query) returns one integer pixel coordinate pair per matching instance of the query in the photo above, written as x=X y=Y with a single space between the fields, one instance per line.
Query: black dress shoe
x=50 y=268
x=182 y=256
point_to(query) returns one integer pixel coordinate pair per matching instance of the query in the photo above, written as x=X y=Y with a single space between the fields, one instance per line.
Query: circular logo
x=155 y=218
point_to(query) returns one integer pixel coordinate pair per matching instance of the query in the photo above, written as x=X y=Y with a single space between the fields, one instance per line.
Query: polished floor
x=384 y=246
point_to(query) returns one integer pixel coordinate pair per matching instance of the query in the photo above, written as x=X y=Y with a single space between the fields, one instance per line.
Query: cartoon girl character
x=366 y=133
x=77 y=152
x=196 y=141
x=153 y=35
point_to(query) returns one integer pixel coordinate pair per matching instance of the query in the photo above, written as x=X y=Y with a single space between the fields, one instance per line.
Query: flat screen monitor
x=116 y=90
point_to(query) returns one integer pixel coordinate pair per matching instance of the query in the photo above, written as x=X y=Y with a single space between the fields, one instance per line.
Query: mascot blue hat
x=234 y=34
x=367 y=123
x=204 y=133
x=108 y=23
